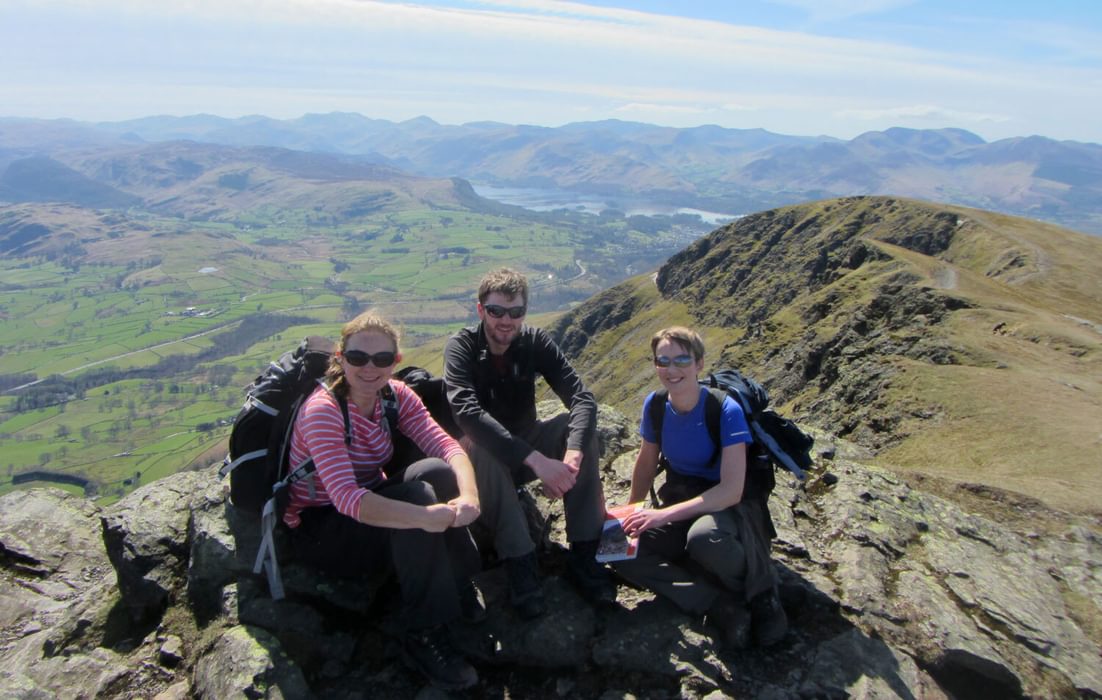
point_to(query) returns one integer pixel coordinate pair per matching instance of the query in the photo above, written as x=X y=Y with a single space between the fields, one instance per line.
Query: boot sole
x=411 y=664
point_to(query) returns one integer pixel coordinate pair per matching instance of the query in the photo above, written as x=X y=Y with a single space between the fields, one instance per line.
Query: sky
x=1000 y=68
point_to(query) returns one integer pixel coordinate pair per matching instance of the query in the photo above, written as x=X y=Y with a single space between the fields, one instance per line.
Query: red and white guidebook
x=615 y=545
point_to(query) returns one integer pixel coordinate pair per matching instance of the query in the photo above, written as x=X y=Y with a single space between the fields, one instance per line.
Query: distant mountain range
x=707 y=167
x=191 y=179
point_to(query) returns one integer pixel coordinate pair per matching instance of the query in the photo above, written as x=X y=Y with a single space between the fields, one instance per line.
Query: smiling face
x=500 y=332
x=675 y=379
x=365 y=381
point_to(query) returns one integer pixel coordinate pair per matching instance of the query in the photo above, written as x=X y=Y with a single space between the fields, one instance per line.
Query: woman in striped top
x=367 y=513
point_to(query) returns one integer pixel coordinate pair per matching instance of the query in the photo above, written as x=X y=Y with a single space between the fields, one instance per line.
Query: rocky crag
x=892 y=592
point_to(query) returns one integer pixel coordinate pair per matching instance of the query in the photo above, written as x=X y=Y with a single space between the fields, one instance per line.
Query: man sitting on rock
x=491 y=371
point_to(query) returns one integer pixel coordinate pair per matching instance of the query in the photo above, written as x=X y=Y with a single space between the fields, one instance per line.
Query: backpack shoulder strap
x=657 y=414
x=390 y=408
x=343 y=403
x=713 y=414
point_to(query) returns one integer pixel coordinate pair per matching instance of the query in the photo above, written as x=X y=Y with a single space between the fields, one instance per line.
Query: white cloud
x=736 y=107
x=642 y=108
x=843 y=9
x=921 y=112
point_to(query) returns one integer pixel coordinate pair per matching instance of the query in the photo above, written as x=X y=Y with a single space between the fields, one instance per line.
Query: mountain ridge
x=894 y=323
x=737 y=171
x=192 y=179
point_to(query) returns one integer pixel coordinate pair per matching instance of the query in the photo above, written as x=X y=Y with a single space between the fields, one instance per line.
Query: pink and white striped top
x=345 y=474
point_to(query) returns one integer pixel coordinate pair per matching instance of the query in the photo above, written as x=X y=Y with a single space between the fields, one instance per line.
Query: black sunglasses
x=499 y=311
x=678 y=361
x=359 y=358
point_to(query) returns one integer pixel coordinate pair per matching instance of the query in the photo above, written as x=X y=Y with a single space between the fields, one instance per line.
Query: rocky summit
x=947 y=543
x=891 y=591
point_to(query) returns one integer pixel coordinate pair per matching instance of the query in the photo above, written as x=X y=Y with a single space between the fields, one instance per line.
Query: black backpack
x=260 y=441
x=260 y=438
x=434 y=394
x=777 y=441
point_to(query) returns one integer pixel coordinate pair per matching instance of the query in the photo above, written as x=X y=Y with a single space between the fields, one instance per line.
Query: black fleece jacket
x=495 y=409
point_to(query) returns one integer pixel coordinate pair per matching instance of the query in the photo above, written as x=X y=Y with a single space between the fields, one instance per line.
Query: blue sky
x=808 y=67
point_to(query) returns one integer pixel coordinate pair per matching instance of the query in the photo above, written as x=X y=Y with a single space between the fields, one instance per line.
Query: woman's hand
x=440 y=516
x=640 y=521
x=467 y=510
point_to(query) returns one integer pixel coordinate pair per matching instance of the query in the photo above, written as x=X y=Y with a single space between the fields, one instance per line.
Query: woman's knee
x=437 y=474
x=710 y=540
x=417 y=492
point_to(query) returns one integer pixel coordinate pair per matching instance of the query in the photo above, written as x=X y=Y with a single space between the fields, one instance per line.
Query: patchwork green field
x=124 y=351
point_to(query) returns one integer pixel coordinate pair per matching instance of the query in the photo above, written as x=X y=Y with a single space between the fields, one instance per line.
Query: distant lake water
x=547 y=200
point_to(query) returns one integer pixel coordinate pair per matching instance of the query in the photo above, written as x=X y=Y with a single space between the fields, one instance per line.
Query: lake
x=538 y=199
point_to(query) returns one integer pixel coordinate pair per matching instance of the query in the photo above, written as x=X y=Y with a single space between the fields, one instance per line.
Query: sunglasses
x=681 y=361
x=498 y=311
x=359 y=358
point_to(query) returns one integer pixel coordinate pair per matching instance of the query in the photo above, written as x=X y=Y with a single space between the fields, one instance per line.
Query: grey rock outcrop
x=60 y=632
x=147 y=537
x=891 y=591
x=240 y=663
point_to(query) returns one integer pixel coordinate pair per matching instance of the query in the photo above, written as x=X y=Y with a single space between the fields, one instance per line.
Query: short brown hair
x=685 y=337
x=506 y=281
x=367 y=321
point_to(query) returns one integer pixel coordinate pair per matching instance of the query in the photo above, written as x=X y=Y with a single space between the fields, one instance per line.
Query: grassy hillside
x=126 y=336
x=949 y=341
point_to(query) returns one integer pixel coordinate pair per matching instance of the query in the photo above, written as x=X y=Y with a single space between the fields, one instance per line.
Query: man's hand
x=467 y=510
x=558 y=477
x=574 y=459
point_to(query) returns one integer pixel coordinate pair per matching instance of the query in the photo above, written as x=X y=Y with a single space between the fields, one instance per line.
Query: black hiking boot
x=471 y=607
x=590 y=577
x=430 y=653
x=769 y=621
x=733 y=622
x=525 y=589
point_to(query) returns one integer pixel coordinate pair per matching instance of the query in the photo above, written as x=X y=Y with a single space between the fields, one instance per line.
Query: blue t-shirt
x=685 y=439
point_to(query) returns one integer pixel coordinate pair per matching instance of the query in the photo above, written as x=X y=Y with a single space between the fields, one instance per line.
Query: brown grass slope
x=949 y=341
x=215 y=182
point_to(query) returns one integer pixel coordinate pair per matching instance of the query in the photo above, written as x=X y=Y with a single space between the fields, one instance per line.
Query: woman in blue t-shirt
x=704 y=548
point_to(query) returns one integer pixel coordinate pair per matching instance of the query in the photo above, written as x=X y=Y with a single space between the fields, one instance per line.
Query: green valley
x=128 y=336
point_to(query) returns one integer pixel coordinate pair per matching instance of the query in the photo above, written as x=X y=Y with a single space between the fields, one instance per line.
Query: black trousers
x=429 y=566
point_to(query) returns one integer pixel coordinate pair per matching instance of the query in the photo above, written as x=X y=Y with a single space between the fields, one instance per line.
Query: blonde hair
x=367 y=321
x=685 y=337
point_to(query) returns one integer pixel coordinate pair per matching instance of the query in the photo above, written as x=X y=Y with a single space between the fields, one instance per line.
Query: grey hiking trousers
x=693 y=562
x=502 y=513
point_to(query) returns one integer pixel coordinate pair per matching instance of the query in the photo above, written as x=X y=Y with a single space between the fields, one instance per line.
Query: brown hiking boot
x=733 y=622
x=589 y=576
x=430 y=653
x=770 y=622
x=525 y=587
